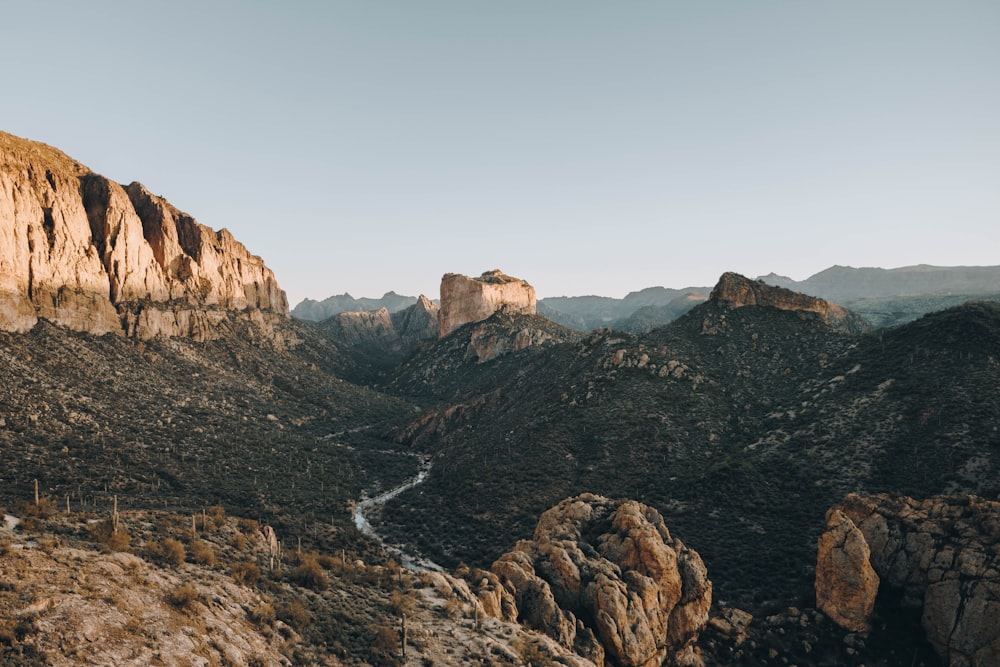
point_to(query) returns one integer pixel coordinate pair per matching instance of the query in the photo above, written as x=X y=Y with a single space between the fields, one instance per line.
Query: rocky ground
x=167 y=589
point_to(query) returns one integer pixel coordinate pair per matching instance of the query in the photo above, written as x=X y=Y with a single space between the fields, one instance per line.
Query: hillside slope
x=740 y=424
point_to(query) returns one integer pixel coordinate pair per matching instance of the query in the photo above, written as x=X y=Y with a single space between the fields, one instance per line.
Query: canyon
x=766 y=480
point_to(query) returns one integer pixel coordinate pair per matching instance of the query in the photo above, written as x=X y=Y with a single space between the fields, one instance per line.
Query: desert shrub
x=32 y=514
x=104 y=534
x=295 y=614
x=309 y=573
x=202 y=553
x=218 y=515
x=385 y=646
x=453 y=607
x=262 y=614
x=249 y=526
x=172 y=551
x=332 y=563
x=48 y=544
x=246 y=573
x=534 y=654
x=184 y=597
x=239 y=542
x=8 y=636
x=401 y=603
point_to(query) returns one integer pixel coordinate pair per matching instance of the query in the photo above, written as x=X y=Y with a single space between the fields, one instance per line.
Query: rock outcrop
x=607 y=579
x=943 y=553
x=91 y=255
x=465 y=299
x=736 y=291
x=846 y=583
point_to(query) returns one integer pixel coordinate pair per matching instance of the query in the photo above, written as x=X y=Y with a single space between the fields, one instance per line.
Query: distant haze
x=587 y=147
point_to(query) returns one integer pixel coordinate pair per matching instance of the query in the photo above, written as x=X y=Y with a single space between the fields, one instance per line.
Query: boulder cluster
x=606 y=579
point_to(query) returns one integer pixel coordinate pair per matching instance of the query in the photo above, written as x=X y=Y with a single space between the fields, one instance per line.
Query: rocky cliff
x=607 y=579
x=736 y=291
x=942 y=553
x=465 y=299
x=91 y=255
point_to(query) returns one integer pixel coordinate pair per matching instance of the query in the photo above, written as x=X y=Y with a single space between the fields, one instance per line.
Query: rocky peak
x=465 y=299
x=89 y=254
x=736 y=291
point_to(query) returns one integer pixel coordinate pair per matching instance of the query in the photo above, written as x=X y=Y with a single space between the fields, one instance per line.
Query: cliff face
x=736 y=291
x=91 y=255
x=465 y=299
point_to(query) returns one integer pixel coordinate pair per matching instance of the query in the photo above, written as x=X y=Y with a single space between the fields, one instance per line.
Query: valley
x=468 y=482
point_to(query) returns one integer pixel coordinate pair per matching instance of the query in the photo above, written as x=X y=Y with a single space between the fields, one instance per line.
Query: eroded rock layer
x=91 y=255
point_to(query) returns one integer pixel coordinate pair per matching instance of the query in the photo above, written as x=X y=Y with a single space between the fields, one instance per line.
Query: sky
x=587 y=147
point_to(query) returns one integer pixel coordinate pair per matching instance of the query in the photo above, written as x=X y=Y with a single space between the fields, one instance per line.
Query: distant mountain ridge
x=883 y=297
x=845 y=283
x=317 y=311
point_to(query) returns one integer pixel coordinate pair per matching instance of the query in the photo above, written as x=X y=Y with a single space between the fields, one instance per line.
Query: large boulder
x=943 y=553
x=606 y=578
x=846 y=583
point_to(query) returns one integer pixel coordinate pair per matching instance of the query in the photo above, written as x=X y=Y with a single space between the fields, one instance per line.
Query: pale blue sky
x=588 y=147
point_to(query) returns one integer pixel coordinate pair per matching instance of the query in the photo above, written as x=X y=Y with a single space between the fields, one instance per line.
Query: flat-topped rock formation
x=89 y=254
x=465 y=299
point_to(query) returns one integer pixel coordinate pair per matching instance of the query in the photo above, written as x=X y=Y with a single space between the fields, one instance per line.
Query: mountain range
x=883 y=297
x=192 y=475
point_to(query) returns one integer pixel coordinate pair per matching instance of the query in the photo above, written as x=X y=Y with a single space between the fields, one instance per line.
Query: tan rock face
x=944 y=553
x=737 y=291
x=607 y=579
x=846 y=583
x=86 y=253
x=465 y=299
